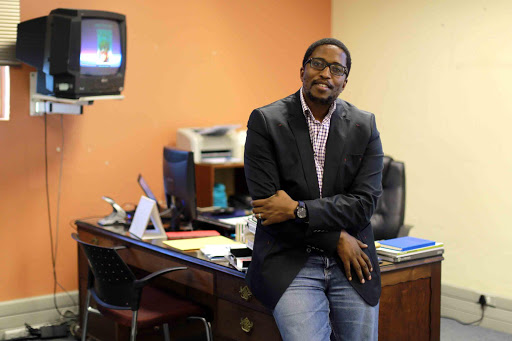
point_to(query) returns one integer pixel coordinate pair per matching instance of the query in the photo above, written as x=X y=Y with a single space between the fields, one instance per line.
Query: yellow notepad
x=197 y=243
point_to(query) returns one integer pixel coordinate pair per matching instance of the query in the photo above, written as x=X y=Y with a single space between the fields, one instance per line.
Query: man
x=313 y=165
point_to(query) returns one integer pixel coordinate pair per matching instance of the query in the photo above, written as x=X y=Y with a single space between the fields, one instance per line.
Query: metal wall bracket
x=43 y=104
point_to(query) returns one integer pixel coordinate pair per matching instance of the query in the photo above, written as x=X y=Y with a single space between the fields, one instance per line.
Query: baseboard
x=456 y=302
x=35 y=311
x=462 y=304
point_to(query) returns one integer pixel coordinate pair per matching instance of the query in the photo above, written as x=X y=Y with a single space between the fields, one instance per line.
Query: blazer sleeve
x=352 y=210
x=259 y=159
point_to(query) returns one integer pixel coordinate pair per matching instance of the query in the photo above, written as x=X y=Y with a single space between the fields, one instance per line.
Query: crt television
x=76 y=52
x=180 y=186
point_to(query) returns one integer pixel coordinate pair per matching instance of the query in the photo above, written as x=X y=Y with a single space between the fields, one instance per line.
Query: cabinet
x=207 y=174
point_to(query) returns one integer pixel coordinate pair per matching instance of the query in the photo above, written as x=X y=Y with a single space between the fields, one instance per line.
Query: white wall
x=437 y=75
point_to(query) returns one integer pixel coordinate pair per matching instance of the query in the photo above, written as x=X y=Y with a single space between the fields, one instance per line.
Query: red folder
x=191 y=234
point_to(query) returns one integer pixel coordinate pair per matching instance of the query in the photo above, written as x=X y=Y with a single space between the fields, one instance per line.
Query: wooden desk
x=409 y=305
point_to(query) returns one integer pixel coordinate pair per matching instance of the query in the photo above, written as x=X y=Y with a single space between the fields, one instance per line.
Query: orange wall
x=190 y=63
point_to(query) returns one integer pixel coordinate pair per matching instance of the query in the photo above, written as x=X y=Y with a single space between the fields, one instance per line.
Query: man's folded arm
x=350 y=211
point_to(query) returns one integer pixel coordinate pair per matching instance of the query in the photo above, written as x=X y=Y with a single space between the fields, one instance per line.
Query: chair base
x=133 y=325
x=186 y=330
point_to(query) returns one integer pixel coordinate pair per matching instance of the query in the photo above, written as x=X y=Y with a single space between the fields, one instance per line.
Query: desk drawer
x=240 y=323
x=95 y=239
x=236 y=290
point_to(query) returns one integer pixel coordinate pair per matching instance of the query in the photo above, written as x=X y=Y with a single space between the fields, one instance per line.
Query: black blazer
x=279 y=155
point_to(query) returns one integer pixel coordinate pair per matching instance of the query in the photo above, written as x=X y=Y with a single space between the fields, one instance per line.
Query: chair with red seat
x=130 y=301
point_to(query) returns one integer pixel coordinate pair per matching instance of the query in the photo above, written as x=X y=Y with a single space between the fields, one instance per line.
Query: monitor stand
x=172 y=216
x=166 y=214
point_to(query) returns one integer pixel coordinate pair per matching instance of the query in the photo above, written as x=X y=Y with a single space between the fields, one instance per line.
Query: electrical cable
x=33 y=331
x=54 y=250
x=57 y=224
x=48 y=200
x=468 y=323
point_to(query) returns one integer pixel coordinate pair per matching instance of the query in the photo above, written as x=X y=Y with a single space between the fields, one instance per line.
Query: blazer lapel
x=300 y=131
x=334 y=147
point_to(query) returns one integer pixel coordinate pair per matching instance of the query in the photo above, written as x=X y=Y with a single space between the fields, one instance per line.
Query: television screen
x=100 y=51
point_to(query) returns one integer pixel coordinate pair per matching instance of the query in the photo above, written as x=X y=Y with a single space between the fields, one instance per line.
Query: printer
x=216 y=144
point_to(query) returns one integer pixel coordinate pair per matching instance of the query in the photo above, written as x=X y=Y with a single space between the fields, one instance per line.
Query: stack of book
x=245 y=232
x=408 y=248
x=240 y=258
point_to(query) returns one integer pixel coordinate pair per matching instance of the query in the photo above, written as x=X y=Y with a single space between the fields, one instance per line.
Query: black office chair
x=388 y=218
x=116 y=291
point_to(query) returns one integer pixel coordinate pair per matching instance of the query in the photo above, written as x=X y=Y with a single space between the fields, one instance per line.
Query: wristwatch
x=301 y=212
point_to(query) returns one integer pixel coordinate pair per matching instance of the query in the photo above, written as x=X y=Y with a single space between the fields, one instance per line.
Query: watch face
x=301 y=212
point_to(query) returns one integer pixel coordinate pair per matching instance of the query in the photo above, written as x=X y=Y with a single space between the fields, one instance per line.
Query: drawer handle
x=246 y=324
x=95 y=241
x=245 y=293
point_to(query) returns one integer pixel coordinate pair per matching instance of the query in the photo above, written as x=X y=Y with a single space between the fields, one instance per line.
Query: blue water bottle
x=220 y=198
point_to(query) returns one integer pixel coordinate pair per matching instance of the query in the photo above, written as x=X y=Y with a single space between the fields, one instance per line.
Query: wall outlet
x=489 y=300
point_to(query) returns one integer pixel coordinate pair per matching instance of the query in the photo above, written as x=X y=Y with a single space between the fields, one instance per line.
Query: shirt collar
x=307 y=112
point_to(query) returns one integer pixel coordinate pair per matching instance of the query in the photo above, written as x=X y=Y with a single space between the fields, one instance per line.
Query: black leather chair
x=388 y=218
x=130 y=301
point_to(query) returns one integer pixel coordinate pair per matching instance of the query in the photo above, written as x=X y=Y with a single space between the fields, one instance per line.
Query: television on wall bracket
x=78 y=54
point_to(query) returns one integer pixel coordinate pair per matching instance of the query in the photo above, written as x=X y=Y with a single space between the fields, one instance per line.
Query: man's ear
x=301 y=74
x=344 y=84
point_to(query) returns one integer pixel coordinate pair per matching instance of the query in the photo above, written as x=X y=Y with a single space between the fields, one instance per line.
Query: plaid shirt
x=318 y=132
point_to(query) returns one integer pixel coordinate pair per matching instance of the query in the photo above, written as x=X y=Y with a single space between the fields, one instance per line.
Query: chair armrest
x=404 y=230
x=143 y=281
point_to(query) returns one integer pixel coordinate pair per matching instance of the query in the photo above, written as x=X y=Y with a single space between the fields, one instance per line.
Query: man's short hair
x=328 y=41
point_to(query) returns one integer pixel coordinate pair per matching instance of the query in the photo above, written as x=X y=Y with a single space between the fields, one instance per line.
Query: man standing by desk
x=313 y=165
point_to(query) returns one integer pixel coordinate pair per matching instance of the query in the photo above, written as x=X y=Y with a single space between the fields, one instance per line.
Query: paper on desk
x=215 y=251
x=235 y=220
x=219 y=251
x=198 y=243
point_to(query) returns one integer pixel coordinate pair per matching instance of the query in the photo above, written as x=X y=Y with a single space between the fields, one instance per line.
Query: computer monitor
x=165 y=214
x=147 y=191
x=77 y=53
x=180 y=186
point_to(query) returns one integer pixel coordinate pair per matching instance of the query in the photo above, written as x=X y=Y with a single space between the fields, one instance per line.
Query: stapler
x=118 y=216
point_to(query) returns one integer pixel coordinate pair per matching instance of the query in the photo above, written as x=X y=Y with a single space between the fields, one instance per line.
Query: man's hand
x=349 y=250
x=275 y=209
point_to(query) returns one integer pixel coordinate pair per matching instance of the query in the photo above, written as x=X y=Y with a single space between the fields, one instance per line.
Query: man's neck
x=319 y=111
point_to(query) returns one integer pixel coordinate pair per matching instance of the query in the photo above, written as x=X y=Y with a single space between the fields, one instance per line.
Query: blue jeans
x=321 y=305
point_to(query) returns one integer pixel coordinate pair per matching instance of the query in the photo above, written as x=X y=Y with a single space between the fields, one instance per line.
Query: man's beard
x=323 y=101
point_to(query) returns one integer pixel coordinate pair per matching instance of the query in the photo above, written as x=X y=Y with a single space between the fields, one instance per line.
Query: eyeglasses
x=320 y=64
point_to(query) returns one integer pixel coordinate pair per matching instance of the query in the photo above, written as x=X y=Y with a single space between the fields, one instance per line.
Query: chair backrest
x=110 y=279
x=389 y=214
